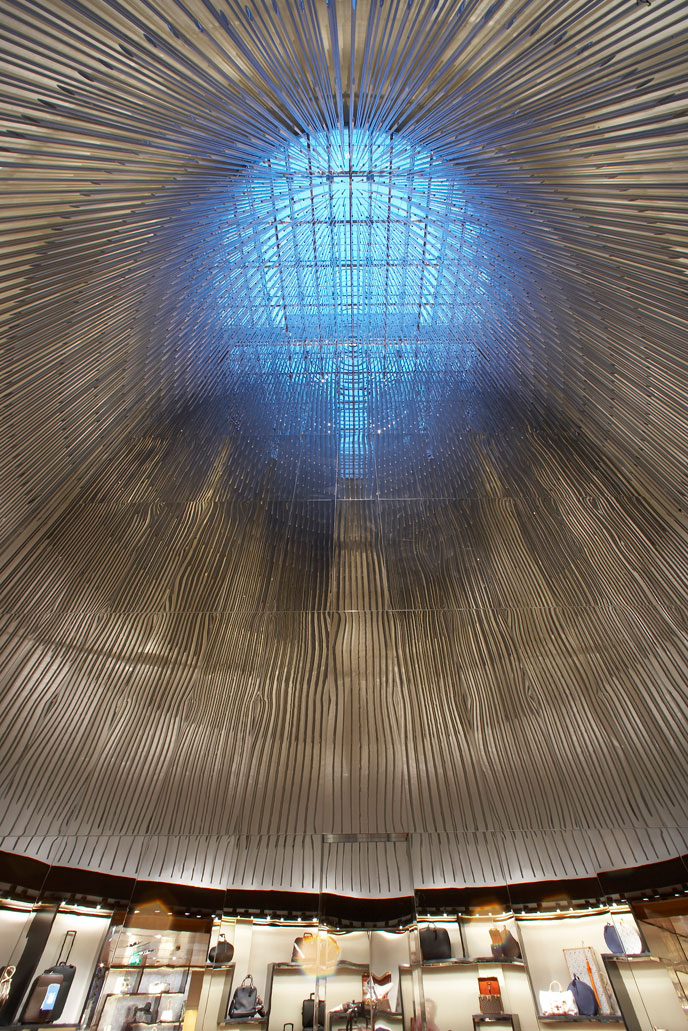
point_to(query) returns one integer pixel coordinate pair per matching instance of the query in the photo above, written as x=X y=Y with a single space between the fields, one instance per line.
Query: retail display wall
x=167 y=958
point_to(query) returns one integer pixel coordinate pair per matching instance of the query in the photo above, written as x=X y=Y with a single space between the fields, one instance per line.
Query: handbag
x=6 y=975
x=245 y=1002
x=317 y=954
x=298 y=952
x=557 y=1003
x=145 y=1014
x=624 y=939
x=504 y=945
x=584 y=997
x=613 y=940
x=434 y=943
x=221 y=953
x=490 y=998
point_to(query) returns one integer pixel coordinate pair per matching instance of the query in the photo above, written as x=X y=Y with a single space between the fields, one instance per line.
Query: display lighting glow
x=350 y=236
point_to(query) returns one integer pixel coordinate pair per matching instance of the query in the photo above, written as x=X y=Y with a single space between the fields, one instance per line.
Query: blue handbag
x=613 y=940
x=584 y=997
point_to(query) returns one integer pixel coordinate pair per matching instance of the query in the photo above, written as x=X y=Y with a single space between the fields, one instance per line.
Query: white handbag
x=630 y=937
x=557 y=1003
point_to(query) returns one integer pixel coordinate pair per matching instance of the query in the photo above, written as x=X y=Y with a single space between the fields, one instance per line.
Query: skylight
x=352 y=236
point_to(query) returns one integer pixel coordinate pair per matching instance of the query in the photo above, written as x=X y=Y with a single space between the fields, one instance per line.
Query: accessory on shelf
x=490 y=998
x=376 y=991
x=504 y=944
x=354 y=1012
x=222 y=952
x=613 y=940
x=318 y=954
x=246 y=1002
x=557 y=1003
x=298 y=953
x=159 y=987
x=50 y=989
x=6 y=975
x=434 y=943
x=583 y=962
x=584 y=997
x=308 y=1012
x=146 y=1014
x=624 y=939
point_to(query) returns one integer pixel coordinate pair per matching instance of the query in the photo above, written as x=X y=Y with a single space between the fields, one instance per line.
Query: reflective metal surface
x=341 y=496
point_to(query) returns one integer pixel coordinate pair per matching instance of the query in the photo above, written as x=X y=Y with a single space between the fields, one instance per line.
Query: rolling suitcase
x=49 y=991
x=42 y=999
x=308 y=1013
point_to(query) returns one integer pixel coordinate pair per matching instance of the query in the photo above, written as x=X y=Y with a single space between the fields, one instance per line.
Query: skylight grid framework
x=352 y=236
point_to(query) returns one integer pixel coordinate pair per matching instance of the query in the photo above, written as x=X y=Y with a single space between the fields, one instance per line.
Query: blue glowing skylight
x=350 y=236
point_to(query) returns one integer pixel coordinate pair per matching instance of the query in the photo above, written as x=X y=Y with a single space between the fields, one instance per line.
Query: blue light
x=350 y=237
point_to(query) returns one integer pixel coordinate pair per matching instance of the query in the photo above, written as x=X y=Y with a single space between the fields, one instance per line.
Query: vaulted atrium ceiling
x=344 y=436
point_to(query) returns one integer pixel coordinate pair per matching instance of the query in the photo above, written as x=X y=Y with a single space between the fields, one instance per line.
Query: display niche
x=526 y=957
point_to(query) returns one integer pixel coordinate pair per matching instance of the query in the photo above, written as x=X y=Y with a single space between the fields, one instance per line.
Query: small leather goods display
x=222 y=952
x=490 y=998
x=504 y=945
x=584 y=996
x=245 y=1002
x=434 y=943
x=308 y=1012
x=554 y=1002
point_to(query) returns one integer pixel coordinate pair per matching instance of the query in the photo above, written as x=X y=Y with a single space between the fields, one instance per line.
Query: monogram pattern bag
x=557 y=1003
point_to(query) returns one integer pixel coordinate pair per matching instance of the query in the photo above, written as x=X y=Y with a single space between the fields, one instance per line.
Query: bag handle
x=68 y=943
x=249 y=978
x=555 y=983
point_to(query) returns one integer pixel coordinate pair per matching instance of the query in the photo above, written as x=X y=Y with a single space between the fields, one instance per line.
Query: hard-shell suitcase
x=49 y=991
x=66 y=971
x=308 y=1012
x=42 y=998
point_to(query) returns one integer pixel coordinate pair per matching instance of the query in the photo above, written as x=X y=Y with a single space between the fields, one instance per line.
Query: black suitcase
x=67 y=971
x=41 y=1001
x=49 y=991
x=308 y=1012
